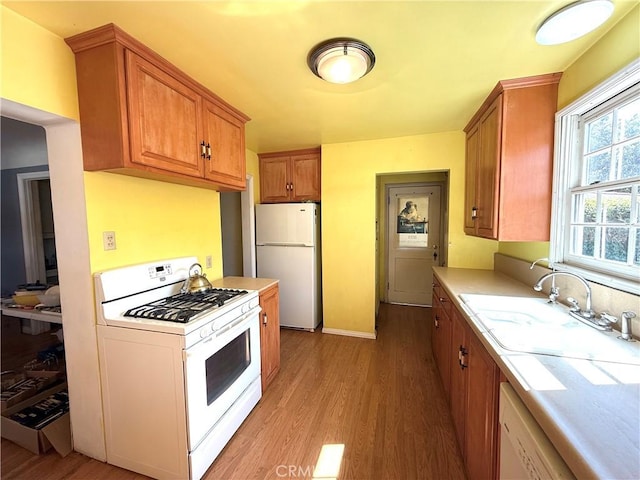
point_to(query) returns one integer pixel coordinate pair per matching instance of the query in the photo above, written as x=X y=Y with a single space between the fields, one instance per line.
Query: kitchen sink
x=532 y=325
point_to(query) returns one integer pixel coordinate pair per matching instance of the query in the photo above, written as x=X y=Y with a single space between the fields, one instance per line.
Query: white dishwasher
x=525 y=450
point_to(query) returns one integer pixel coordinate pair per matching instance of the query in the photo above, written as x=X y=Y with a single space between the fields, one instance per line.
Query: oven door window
x=226 y=365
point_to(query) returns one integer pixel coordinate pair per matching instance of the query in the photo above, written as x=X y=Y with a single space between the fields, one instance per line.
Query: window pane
x=636 y=259
x=598 y=167
x=630 y=160
x=616 y=244
x=628 y=124
x=583 y=241
x=617 y=205
x=598 y=133
x=584 y=208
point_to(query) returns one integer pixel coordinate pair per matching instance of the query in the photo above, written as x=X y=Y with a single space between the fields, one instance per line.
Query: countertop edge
x=245 y=283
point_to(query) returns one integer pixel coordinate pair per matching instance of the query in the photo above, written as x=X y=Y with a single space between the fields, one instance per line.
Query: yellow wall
x=253 y=168
x=38 y=69
x=617 y=48
x=613 y=51
x=152 y=221
x=349 y=212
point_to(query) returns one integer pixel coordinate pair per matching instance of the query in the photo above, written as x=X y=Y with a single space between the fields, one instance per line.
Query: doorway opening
x=237 y=219
x=412 y=235
x=67 y=180
x=38 y=233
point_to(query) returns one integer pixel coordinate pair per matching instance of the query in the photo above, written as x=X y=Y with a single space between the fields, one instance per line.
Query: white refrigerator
x=288 y=249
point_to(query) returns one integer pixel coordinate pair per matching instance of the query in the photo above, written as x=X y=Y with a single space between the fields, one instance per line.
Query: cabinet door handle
x=436 y=321
x=264 y=319
x=462 y=352
x=474 y=213
x=208 y=151
x=203 y=152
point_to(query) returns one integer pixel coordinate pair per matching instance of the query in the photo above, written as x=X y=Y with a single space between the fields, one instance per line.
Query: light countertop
x=590 y=410
x=244 y=283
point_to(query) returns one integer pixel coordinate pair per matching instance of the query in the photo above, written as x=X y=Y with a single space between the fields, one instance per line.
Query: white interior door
x=413 y=239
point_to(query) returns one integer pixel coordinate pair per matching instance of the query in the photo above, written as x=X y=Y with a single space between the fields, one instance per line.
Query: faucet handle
x=575 y=307
x=606 y=320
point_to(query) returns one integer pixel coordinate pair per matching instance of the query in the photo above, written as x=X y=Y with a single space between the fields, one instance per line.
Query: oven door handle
x=237 y=322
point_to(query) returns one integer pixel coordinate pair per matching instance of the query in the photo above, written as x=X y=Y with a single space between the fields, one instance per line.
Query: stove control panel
x=159 y=271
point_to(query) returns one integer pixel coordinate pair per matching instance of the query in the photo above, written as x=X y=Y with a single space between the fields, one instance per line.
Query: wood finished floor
x=381 y=399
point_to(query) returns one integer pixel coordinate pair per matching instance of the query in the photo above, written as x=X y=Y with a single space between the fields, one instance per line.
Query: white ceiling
x=435 y=60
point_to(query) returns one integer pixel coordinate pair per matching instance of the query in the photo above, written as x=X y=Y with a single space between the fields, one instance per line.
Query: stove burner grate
x=182 y=307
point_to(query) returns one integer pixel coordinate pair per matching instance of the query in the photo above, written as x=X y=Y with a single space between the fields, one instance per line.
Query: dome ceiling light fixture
x=573 y=21
x=341 y=60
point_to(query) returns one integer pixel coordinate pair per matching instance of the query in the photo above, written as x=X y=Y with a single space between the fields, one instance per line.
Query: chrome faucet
x=586 y=314
x=554 y=292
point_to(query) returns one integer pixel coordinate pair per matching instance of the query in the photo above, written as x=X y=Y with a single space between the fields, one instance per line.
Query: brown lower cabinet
x=441 y=339
x=472 y=380
x=269 y=334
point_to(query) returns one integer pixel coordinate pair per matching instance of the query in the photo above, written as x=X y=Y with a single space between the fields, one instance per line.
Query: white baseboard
x=348 y=333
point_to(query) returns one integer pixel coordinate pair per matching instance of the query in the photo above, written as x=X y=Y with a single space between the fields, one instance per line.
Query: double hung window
x=596 y=211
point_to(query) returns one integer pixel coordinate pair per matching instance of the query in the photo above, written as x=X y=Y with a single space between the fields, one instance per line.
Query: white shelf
x=34 y=314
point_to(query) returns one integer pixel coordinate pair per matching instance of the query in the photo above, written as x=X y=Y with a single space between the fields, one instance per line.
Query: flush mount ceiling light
x=341 y=60
x=573 y=21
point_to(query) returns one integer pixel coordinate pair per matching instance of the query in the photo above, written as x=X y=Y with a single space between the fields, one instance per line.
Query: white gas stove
x=180 y=371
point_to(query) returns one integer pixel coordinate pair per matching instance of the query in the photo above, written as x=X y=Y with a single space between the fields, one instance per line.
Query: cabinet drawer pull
x=462 y=352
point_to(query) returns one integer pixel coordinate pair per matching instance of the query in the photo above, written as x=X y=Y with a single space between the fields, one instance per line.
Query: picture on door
x=413 y=221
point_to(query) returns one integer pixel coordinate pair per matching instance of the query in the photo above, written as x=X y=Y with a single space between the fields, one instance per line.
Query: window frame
x=567 y=174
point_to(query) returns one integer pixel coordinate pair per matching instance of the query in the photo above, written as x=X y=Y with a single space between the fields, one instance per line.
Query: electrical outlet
x=209 y=261
x=109 y=240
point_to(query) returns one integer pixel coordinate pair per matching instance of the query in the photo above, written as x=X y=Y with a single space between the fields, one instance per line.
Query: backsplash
x=603 y=298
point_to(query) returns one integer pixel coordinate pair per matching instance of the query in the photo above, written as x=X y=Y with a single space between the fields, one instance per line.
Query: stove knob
x=204 y=333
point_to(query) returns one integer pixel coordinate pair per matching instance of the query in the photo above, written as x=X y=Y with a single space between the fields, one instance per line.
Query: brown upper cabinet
x=509 y=161
x=292 y=176
x=141 y=116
